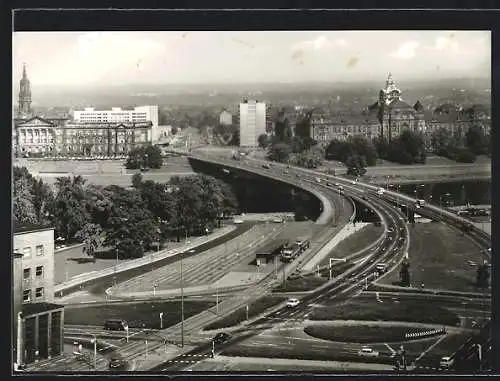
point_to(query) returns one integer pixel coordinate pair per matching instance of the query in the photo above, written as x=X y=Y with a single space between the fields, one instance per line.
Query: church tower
x=24 y=110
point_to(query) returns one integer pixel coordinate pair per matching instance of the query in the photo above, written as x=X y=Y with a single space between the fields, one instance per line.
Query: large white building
x=252 y=122
x=139 y=114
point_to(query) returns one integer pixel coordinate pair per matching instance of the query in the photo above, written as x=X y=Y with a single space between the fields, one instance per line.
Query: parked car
x=238 y=221
x=278 y=220
x=221 y=337
x=117 y=363
x=292 y=303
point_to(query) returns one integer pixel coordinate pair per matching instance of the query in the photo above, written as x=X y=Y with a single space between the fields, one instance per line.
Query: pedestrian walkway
x=345 y=232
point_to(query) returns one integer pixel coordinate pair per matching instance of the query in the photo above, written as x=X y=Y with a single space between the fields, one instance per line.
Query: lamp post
x=387 y=182
x=182 y=305
x=94 y=341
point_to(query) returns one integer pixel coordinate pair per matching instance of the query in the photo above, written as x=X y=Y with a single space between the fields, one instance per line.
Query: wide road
x=98 y=286
x=390 y=251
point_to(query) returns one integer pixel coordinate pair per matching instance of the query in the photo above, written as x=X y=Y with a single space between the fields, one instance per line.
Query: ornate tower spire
x=24 y=96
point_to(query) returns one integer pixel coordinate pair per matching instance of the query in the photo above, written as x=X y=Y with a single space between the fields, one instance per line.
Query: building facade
x=140 y=114
x=252 y=116
x=226 y=118
x=63 y=139
x=39 y=322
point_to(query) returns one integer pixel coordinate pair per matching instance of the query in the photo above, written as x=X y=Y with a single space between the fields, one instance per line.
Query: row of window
x=38 y=272
x=39 y=249
x=28 y=297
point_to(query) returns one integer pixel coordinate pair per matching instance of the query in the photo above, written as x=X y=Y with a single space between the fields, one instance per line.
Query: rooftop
x=37 y=308
x=29 y=228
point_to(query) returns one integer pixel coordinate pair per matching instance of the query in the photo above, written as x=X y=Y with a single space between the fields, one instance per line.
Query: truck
x=267 y=252
x=289 y=253
x=303 y=243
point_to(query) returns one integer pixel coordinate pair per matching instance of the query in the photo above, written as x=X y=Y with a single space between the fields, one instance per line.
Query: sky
x=122 y=58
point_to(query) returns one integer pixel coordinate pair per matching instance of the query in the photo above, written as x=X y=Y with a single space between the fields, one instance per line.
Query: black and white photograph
x=251 y=201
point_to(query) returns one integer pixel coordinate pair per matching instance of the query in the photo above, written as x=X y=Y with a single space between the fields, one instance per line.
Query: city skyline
x=126 y=58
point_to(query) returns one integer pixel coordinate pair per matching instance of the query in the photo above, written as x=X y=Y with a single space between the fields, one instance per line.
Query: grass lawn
x=355 y=242
x=407 y=311
x=446 y=347
x=361 y=333
x=306 y=283
x=238 y=316
x=136 y=314
x=439 y=257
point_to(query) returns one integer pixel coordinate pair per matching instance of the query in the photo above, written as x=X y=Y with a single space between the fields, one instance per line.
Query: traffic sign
x=161 y=315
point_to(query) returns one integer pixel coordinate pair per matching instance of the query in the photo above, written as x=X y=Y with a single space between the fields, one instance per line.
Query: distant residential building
x=62 y=139
x=391 y=115
x=140 y=114
x=226 y=118
x=38 y=328
x=252 y=118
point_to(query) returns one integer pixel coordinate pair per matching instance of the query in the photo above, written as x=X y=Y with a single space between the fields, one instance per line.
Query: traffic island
x=371 y=333
x=394 y=310
x=300 y=284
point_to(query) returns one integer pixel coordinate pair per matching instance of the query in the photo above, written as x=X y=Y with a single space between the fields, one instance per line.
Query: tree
x=70 y=208
x=91 y=236
x=137 y=180
x=475 y=140
x=483 y=276
x=43 y=199
x=356 y=165
x=408 y=148
x=23 y=207
x=279 y=152
x=303 y=126
x=404 y=273
x=364 y=147
x=148 y=156
x=382 y=146
x=131 y=227
x=174 y=130
x=440 y=140
x=263 y=140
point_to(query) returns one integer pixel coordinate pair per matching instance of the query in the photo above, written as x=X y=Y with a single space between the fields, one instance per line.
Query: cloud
x=406 y=51
x=341 y=43
x=445 y=44
x=316 y=44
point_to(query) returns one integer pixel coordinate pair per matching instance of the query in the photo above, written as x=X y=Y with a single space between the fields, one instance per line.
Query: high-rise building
x=38 y=321
x=24 y=110
x=252 y=117
x=139 y=114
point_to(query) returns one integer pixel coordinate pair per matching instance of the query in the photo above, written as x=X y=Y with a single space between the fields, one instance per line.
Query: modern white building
x=226 y=118
x=252 y=122
x=139 y=114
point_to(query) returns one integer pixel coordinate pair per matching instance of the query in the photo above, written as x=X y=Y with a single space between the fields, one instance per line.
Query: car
x=367 y=351
x=446 y=362
x=285 y=171
x=266 y=166
x=292 y=303
x=117 y=363
x=238 y=221
x=115 y=325
x=381 y=267
x=278 y=220
x=221 y=337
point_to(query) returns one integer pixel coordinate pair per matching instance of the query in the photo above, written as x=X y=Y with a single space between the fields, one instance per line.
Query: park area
x=363 y=334
x=441 y=258
x=138 y=315
x=254 y=309
x=414 y=311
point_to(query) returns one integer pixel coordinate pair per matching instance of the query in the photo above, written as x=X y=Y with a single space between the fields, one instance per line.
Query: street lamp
x=94 y=341
x=182 y=305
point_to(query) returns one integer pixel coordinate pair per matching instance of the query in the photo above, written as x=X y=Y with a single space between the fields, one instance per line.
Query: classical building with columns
x=38 y=322
x=103 y=134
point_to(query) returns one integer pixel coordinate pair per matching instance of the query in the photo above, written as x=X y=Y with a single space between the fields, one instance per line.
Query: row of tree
x=129 y=220
x=144 y=157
